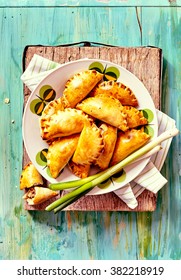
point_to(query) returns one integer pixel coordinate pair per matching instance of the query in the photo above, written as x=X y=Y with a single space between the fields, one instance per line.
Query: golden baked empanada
x=105 y=108
x=63 y=123
x=118 y=90
x=37 y=195
x=79 y=86
x=127 y=143
x=81 y=171
x=30 y=177
x=52 y=107
x=135 y=117
x=109 y=134
x=59 y=153
x=89 y=146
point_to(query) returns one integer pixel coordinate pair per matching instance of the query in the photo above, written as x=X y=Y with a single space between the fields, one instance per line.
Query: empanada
x=127 y=143
x=79 y=170
x=89 y=146
x=109 y=134
x=135 y=117
x=63 y=123
x=79 y=86
x=52 y=107
x=30 y=177
x=105 y=108
x=37 y=195
x=59 y=153
x=118 y=90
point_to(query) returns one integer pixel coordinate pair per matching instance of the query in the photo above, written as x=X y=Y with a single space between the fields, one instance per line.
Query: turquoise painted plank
x=39 y=235
x=164 y=31
x=88 y=3
x=62 y=25
x=86 y=236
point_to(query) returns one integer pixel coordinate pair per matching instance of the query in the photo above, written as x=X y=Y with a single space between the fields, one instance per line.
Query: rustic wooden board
x=145 y=63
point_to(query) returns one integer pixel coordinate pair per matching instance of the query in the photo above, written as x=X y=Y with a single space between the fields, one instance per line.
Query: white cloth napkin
x=150 y=178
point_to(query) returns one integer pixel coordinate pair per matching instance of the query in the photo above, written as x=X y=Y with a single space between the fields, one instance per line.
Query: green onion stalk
x=77 y=183
x=83 y=186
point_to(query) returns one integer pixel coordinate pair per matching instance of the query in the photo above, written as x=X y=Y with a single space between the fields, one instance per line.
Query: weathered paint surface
x=87 y=235
x=88 y=3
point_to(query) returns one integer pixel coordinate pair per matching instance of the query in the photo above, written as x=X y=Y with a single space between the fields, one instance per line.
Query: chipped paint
x=107 y=220
x=119 y=228
x=69 y=220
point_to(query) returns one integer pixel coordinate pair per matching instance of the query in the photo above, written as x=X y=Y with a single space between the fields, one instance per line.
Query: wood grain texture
x=136 y=60
x=75 y=234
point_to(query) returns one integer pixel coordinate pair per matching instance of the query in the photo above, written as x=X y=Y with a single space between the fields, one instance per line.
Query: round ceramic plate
x=51 y=87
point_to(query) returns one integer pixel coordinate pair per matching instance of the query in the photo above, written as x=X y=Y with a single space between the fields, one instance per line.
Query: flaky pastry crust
x=89 y=146
x=62 y=123
x=109 y=134
x=79 y=86
x=127 y=143
x=106 y=109
x=59 y=153
x=30 y=177
x=118 y=90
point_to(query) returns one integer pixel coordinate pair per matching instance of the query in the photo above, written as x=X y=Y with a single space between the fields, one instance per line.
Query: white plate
x=52 y=87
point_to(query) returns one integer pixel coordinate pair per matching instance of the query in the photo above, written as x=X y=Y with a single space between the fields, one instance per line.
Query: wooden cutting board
x=145 y=63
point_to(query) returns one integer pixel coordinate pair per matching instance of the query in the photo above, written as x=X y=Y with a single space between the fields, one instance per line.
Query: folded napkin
x=150 y=178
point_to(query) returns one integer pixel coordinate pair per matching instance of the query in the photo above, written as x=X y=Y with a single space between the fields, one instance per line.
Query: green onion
x=98 y=178
x=68 y=202
x=71 y=184
x=77 y=183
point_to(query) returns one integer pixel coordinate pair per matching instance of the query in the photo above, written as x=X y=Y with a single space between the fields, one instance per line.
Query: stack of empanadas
x=94 y=123
x=32 y=182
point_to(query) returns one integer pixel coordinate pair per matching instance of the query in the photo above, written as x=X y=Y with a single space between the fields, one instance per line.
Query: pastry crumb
x=6 y=100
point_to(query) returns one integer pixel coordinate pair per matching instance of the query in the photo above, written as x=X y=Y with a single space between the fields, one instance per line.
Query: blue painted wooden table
x=87 y=235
